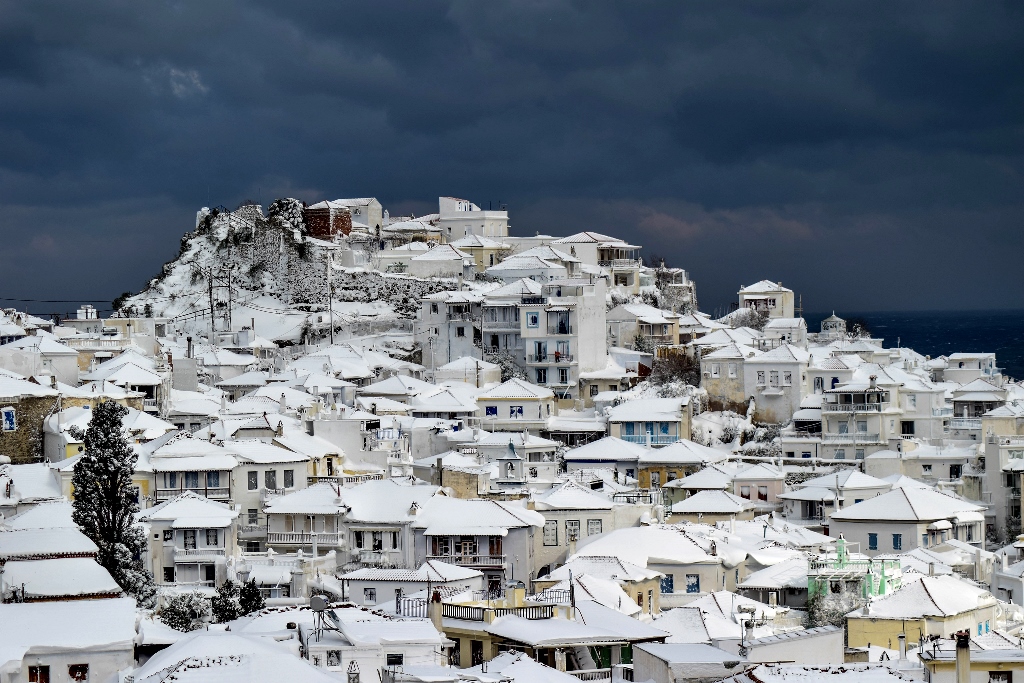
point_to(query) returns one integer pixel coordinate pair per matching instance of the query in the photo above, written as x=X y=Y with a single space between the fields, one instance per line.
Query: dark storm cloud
x=868 y=154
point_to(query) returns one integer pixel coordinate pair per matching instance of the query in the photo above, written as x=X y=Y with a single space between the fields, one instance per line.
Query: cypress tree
x=250 y=598
x=105 y=502
x=226 y=603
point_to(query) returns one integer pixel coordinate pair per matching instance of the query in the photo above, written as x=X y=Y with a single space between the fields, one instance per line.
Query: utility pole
x=213 y=325
x=330 y=296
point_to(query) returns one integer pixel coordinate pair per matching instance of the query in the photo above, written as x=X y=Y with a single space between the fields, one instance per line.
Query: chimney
x=434 y=611
x=748 y=630
x=873 y=382
x=903 y=647
x=515 y=594
x=1006 y=562
x=931 y=569
x=560 y=659
x=963 y=656
x=352 y=675
x=282 y=406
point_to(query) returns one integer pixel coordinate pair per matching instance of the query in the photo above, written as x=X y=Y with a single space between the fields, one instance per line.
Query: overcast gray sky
x=868 y=155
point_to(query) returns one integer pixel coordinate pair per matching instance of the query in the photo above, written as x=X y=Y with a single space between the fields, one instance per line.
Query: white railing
x=852 y=407
x=149 y=404
x=303 y=537
x=93 y=343
x=198 y=552
x=651 y=439
x=592 y=674
x=942 y=412
x=501 y=324
x=855 y=437
x=965 y=423
x=471 y=560
x=620 y=263
x=221 y=493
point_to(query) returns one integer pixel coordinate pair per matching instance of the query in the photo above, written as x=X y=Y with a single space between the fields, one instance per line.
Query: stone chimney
x=434 y=611
x=963 y=656
x=873 y=382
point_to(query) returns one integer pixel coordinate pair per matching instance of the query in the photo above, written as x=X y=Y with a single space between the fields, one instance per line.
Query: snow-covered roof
x=791 y=573
x=845 y=479
x=712 y=502
x=189 y=510
x=53 y=514
x=431 y=570
x=684 y=452
x=442 y=252
x=930 y=596
x=13 y=388
x=608 y=449
x=443 y=516
x=27 y=544
x=708 y=478
x=795 y=673
x=907 y=504
x=39 y=628
x=386 y=501
x=764 y=287
x=516 y=389
x=32 y=483
x=571 y=496
x=648 y=409
x=645 y=544
x=260 y=452
x=319 y=499
x=64 y=577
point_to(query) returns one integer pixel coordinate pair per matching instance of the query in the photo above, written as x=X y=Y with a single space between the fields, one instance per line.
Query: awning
x=940 y=525
x=968 y=516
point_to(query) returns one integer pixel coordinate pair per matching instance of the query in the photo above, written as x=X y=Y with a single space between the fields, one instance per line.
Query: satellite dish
x=318 y=603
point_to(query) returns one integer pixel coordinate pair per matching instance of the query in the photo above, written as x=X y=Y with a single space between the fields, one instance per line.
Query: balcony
x=852 y=407
x=965 y=423
x=853 y=438
x=942 y=412
x=559 y=329
x=150 y=404
x=471 y=560
x=197 y=553
x=347 y=480
x=562 y=357
x=474 y=613
x=651 y=439
x=538 y=358
x=222 y=493
x=378 y=558
x=592 y=674
x=1015 y=493
x=464 y=316
x=620 y=264
x=325 y=538
x=500 y=325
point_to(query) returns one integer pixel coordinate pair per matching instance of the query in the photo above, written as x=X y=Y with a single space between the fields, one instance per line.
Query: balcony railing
x=852 y=407
x=501 y=324
x=562 y=357
x=303 y=537
x=592 y=674
x=559 y=329
x=651 y=439
x=475 y=613
x=965 y=423
x=619 y=264
x=537 y=358
x=853 y=437
x=198 y=552
x=942 y=412
x=1015 y=492
x=471 y=560
x=347 y=480
x=462 y=316
x=221 y=493
x=149 y=404
x=380 y=558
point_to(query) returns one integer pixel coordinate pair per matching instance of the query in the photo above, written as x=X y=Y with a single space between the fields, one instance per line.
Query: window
x=819 y=385
x=334 y=658
x=433 y=308
x=369 y=596
x=209 y=572
x=460 y=331
x=760 y=378
x=358 y=539
x=191 y=480
x=859 y=454
x=563 y=375
x=840 y=454
x=924 y=540
x=787 y=379
x=289 y=479
x=395 y=659
x=542 y=376
x=872 y=541
x=168 y=534
x=377 y=541
x=912 y=400
x=774 y=378
x=533 y=319
x=926 y=469
x=1000 y=677
x=897 y=541
x=716 y=369
x=213 y=480
x=270 y=479
x=762 y=493
x=745 y=492
x=211 y=537
x=168 y=574
x=515 y=412
x=693 y=583
x=253 y=516
x=253 y=480
x=594 y=389
x=593 y=527
x=551 y=532
x=491 y=411
x=844 y=428
x=668 y=583
x=862 y=427
x=572 y=529
x=650 y=601
x=732 y=370
x=39 y=674
x=190 y=539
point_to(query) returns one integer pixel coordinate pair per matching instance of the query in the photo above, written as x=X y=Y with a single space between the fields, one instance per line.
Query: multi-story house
x=722 y=374
x=651 y=421
x=449 y=327
x=185 y=463
x=460 y=218
x=858 y=419
x=1002 y=451
x=777 y=381
x=308 y=519
x=500 y=316
x=191 y=538
x=378 y=522
x=964 y=368
x=530 y=267
x=264 y=472
x=562 y=333
x=515 y=405
x=494 y=537
x=620 y=259
x=626 y=321
x=767 y=297
x=970 y=402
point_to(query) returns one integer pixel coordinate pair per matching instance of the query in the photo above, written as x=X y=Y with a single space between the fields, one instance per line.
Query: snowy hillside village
x=331 y=444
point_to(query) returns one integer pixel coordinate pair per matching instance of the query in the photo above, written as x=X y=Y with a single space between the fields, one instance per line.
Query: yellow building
x=930 y=606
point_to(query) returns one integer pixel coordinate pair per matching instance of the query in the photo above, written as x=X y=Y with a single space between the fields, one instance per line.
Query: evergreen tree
x=186 y=612
x=226 y=604
x=106 y=503
x=250 y=598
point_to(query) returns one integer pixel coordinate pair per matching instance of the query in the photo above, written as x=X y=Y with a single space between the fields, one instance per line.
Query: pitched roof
x=712 y=502
x=516 y=388
x=906 y=504
x=930 y=596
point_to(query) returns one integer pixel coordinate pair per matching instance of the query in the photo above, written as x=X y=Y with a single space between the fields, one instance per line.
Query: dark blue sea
x=936 y=333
